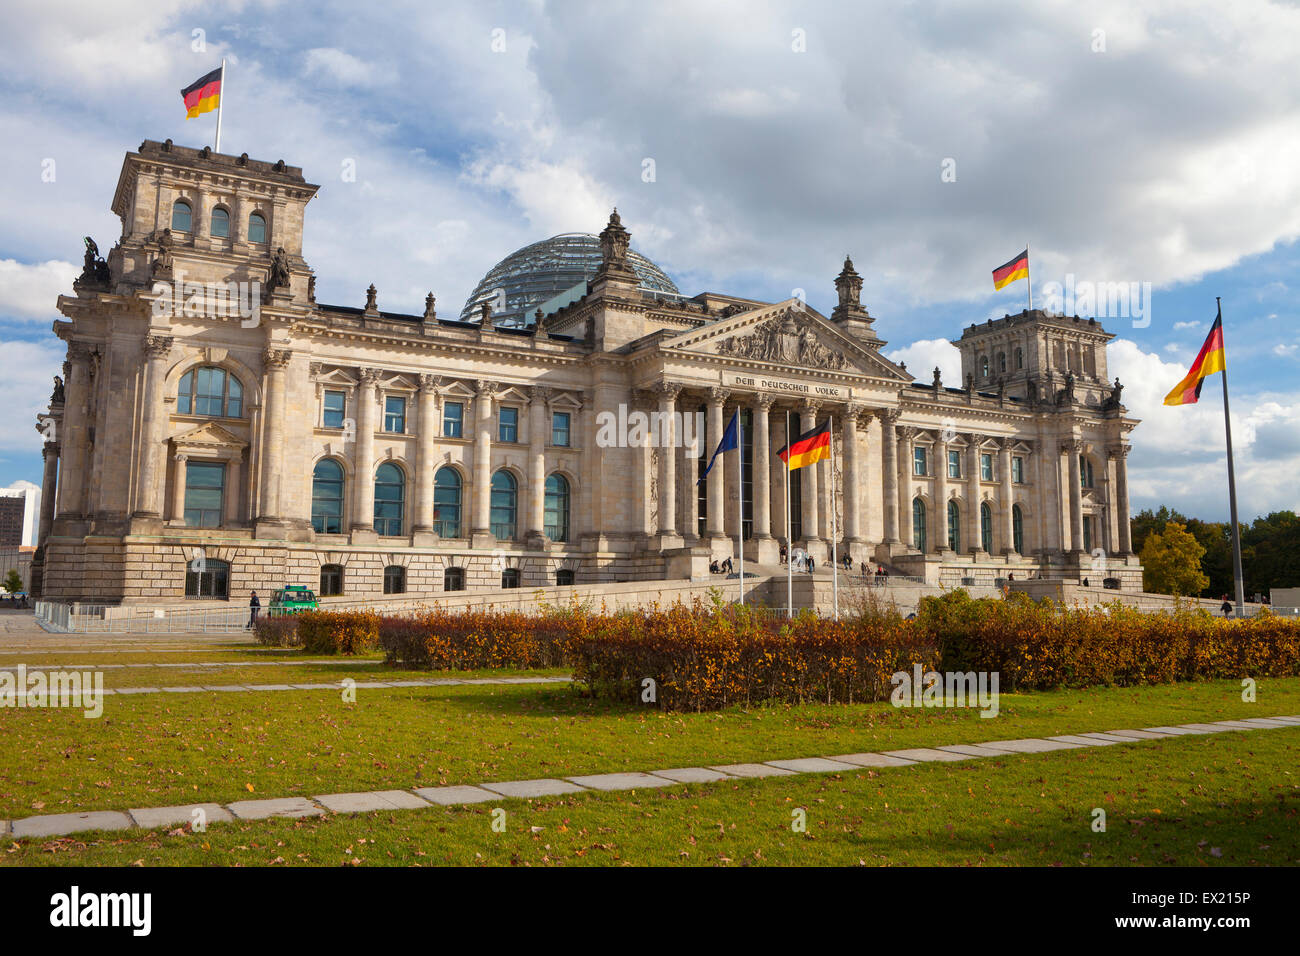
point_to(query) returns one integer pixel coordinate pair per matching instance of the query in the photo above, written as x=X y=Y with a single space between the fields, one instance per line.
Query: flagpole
x=740 y=506
x=1232 y=480
x=1029 y=278
x=221 y=98
x=789 y=544
x=835 y=530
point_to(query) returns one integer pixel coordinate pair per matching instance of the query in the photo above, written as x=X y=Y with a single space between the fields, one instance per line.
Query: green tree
x=1171 y=562
x=13 y=581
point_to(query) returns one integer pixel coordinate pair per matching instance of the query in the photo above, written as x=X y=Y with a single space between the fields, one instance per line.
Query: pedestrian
x=254 y=605
x=1227 y=608
x=785 y=555
x=1011 y=575
x=811 y=564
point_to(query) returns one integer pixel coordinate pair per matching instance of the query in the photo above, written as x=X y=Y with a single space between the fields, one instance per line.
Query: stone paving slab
x=1090 y=740
x=1027 y=745
x=409 y=683
x=61 y=824
x=928 y=754
x=1233 y=724
x=1209 y=728
x=752 y=770
x=1266 y=722
x=871 y=760
x=279 y=807
x=620 y=781
x=1292 y=721
x=971 y=750
x=371 y=800
x=1138 y=734
x=692 y=774
x=812 y=765
x=151 y=818
x=453 y=796
x=370 y=685
x=316 y=686
x=1107 y=737
x=226 y=687
x=1177 y=731
x=4 y=827
x=525 y=789
x=181 y=690
x=269 y=687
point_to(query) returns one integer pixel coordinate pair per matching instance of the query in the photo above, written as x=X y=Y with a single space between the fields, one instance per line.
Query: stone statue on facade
x=94 y=268
x=278 y=280
x=938 y=379
x=57 y=397
x=782 y=340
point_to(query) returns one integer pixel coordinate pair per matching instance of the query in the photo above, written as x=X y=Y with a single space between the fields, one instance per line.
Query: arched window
x=212 y=582
x=563 y=577
x=257 y=227
x=954 y=527
x=504 y=500
x=1085 y=472
x=1017 y=529
x=557 y=508
x=220 y=223
x=327 y=497
x=918 y=524
x=394 y=579
x=986 y=527
x=453 y=579
x=510 y=578
x=331 y=580
x=1020 y=359
x=181 y=216
x=390 y=496
x=210 y=391
x=446 y=503
x=984 y=366
x=1002 y=362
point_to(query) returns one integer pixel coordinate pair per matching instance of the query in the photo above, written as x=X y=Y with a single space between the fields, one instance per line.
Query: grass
x=1225 y=799
x=164 y=749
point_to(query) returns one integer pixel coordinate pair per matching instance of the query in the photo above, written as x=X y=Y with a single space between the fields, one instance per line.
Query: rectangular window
x=334 y=404
x=560 y=429
x=394 y=414
x=986 y=467
x=1018 y=470
x=453 y=414
x=954 y=464
x=205 y=486
x=508 y=425
x=918 y=461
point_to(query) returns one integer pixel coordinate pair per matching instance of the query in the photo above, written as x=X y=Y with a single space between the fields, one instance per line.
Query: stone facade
x=217 y=430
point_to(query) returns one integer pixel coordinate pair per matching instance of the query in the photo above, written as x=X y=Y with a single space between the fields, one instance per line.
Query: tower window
x=181 y=216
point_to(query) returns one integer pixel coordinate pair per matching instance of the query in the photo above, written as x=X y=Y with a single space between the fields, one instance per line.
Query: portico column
x=537 y=398
x=940 y=494
x=690 y=469
x=1008 y=517
x=716 y=523
x=1074 y=449
x=276 y=361
x=975 y=527
x=889 y=472
x=148 y=490
x=363 y=478
x=667 y=435
x=49 y=488
x=809 y=491
x=427 y=420
x=232 y=514
x=178 y=488
x=907 y=531
x=482 y=527
x=1121 y=498
x=762 y=468
x=852 y=483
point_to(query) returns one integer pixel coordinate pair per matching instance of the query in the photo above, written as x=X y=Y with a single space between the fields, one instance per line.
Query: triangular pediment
x=208 y=435
x=788 y=334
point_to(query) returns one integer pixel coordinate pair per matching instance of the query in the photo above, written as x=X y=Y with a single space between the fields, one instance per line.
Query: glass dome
x=521 y=282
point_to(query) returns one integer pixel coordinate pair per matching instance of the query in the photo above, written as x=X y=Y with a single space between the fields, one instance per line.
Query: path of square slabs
x=61 y=824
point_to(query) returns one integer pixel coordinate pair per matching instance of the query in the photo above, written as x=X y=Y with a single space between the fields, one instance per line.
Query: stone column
x=1121 y=506
x=906 y=530
x=49 y=489
x=811 y=498
x=149 y=486
x=940 y=541
x=1008 y=492
x=426 y=416
x=852 y=483
x=537 y=399
x=1074 y=449
x=668 y=468
x=482 y=527
x=690 y=469
x=974 y=526
x=716 y=522
x=762 y=468
x=178 y=488
x=232 y=515
x=276 y=361
x=889 y=472
x=363 y=465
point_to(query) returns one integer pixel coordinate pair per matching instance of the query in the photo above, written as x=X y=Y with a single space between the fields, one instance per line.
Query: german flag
x=203 y=95
x=808 y=448
x=1017 y=268
x=1209 y=360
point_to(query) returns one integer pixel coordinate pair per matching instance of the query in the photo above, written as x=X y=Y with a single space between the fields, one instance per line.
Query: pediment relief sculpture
x=784 y=340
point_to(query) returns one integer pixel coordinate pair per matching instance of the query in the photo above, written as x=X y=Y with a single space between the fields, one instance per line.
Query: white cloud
x=922 y=357
x=1285 y=351
x=1179 y=326
x=29 y=292
x=343 y=68
x=25 y=386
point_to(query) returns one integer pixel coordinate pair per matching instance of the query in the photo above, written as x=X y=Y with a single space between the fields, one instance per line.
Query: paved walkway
x=61 y=824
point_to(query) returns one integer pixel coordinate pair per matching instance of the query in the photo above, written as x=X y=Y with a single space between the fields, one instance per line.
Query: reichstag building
x=217 y=430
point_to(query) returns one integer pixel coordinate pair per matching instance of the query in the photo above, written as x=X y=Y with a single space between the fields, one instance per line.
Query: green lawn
x=164 y=749
x=1227 y=799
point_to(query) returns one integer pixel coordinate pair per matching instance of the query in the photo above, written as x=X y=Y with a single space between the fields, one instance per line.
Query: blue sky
x=1126 y=142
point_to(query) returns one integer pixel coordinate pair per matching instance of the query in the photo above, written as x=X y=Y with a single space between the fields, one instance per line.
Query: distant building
x=20 y=508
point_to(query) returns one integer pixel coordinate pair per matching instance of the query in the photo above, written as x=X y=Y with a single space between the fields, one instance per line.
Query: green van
x=291 y=600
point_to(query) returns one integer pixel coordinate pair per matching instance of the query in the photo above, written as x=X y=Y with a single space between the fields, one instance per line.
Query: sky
x=748 y=147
